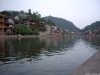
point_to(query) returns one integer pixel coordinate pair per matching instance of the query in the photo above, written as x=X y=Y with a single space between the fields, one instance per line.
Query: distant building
x=33 y=22
x=55 y=30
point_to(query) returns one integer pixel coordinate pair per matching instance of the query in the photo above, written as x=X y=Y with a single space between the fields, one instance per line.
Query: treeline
x=94 y=28
x=25 y=15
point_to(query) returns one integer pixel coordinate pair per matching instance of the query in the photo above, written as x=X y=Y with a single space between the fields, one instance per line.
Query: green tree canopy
x=25 y=30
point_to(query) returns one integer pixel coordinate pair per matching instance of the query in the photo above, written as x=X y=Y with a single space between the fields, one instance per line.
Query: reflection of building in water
x=2 y=48
x=32 y=47
x=3 y=51
x=21 y=48
x=6 y=48
x=52 y=40
x=46 y=39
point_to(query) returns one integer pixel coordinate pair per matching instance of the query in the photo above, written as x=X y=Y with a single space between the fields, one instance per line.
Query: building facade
x=5 y=25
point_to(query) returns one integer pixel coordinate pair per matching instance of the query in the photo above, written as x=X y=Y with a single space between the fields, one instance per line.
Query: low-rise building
x=5 y=24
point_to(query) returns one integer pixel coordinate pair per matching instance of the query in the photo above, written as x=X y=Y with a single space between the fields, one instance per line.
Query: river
x=45 y=55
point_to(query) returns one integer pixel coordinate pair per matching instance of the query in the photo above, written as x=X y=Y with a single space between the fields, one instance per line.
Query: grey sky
x=80 y=12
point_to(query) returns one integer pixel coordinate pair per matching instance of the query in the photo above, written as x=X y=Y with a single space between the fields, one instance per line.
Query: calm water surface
x=45 y=56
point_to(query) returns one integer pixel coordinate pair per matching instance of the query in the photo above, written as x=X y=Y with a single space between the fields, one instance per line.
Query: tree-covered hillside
x=94 y=28
x=62 y=23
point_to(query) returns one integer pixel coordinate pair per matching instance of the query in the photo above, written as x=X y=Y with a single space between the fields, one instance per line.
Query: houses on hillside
x=34 y=23
x=7 y=24
x=95 y=32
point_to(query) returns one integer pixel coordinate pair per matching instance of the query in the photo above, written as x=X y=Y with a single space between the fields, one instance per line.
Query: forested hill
x=94 y=28
x=62 y=23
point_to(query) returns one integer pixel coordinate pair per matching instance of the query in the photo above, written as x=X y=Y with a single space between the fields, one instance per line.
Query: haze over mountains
x=65 y=24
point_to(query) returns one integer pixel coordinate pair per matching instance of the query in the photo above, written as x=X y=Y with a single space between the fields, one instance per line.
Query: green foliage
x=39 y=28
x=23 y=14
x=35 y=31
x=94 y=28
x=50 y=22
x=10 y=13
x=36 y=16
x=86 y=28
x=25 y=30
x=42 y=28
x=65 y=24
x=43 y=20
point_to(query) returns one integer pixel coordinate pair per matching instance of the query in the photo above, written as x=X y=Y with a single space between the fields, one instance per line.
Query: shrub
x=35 y=31
x=42 y=28
x=25 y=30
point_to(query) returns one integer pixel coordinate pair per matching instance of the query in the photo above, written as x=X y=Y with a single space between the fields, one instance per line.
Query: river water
x=45 y=55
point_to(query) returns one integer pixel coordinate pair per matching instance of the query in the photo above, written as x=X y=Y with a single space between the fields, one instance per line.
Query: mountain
x=93 y=28
x=60 y=22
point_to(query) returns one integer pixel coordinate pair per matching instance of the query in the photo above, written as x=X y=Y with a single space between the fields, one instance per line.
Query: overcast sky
x=80 y=12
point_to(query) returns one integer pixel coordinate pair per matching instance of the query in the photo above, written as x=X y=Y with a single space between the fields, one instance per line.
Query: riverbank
x=22 y=36
x=28 y=36
x=90 y=67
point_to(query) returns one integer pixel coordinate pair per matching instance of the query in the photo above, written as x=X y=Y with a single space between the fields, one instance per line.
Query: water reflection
x=33 y=47
x=93 y=41
x=43 y=55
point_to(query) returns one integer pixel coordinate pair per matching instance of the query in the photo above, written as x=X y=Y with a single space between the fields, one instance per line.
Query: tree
x=94 y=28
x=36 y=16
x=50 y=22
x=8 y=13
x=25 y=30
x=29 y=12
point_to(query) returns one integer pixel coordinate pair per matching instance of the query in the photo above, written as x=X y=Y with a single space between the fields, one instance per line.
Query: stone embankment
x=90 y=67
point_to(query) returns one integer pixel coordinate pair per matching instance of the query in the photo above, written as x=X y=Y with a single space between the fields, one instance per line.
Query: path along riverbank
x=90 y=67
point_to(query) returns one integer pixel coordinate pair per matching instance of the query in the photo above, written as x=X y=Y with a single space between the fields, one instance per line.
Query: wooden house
x=34 y=23
x=4 y=24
